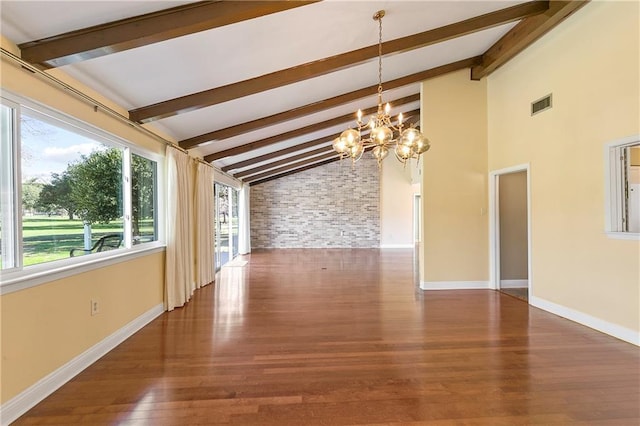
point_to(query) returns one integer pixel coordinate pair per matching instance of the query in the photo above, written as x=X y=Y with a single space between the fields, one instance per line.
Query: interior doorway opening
x=510 y=232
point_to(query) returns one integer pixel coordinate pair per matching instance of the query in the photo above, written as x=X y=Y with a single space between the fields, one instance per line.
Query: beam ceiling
x=100 y=40
x=326 y=103
x=306 y=145
x=293 y=158
x=291 y=172
x=291 y=166
x=301 y=131
x=326 y=65
x=522 y=35
x=536 y=19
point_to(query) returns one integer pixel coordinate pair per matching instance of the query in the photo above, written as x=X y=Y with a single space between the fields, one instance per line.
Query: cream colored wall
x=454 y=185
x=396 y=203
x=591 y=65
x=513 y=226
x=46 y=326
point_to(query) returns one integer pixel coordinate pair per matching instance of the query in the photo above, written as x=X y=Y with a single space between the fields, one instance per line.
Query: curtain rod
x=96 y=104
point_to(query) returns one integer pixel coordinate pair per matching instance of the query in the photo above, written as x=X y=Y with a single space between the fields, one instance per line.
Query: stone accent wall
x=333 y=205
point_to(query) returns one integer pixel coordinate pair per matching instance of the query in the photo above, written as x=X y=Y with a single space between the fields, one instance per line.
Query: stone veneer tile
x=335 y=205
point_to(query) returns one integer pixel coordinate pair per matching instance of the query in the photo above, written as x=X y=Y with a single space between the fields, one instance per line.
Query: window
x=69 y=191
x=623 y=198
x=144 y=199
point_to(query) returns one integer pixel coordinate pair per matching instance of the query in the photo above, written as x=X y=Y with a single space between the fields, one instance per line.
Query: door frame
x=494 y=226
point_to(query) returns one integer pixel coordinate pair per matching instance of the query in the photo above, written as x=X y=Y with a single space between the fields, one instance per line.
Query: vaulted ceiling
x=261 y=88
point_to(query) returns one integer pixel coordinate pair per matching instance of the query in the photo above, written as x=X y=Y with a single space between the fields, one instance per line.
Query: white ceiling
x=181 y=66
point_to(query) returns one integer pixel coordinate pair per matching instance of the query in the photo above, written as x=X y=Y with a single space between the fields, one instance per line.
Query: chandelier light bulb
x=423 y=145
x=403 y=152
x=382 y=135
x=350 y=138
x=380 y=152
x=339 y=145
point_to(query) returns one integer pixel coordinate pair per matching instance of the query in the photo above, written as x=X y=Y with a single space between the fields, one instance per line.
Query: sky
x=50 y=149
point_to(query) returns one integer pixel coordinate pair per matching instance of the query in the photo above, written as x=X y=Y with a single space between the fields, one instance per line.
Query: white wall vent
x=541 y=104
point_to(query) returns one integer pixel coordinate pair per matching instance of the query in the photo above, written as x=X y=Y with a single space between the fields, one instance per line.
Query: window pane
x=144 y=199
x=632 y=183
x=7 y=237
x=71 y=193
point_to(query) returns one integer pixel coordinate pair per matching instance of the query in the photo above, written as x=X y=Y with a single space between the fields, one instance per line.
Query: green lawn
x=52 y=238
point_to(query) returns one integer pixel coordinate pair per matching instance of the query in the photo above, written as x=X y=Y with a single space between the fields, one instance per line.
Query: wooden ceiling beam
x=324 y=66
x=522 y=35
x=291 y=166
x=279 y=153
x=116 y=36
x=292 y=172
x=293 y=158
x=291 y=114
x=301 y=131
x=287 y=151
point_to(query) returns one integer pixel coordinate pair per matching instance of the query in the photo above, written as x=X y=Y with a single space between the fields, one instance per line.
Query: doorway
x=510 y=232
x=226 y=224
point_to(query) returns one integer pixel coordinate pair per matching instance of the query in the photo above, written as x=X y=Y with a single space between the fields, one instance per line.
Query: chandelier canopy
x=384 y=135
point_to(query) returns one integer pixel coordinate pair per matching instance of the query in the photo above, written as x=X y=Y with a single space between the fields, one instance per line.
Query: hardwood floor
x=520 y=293
x=337 y=337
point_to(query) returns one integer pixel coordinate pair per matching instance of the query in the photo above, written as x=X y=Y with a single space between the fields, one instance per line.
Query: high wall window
x=70 y=191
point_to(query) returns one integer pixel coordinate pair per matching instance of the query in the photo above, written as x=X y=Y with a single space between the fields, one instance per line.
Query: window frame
x=614 y=188
x=20 y=277
x=8 y=197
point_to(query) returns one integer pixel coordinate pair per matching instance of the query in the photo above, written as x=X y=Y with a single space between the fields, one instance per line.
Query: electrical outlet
x=95 y=307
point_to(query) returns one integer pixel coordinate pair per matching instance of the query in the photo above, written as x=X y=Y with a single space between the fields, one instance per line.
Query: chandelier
x=384 y=135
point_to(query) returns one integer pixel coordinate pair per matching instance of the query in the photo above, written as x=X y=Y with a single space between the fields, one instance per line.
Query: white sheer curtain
x=179 y=282
x=204 y=233
x=244 y=232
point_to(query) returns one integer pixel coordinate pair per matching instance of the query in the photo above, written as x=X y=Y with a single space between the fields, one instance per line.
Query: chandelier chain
x=380 y=60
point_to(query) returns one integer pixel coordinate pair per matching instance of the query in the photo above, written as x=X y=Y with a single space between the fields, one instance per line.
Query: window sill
x=623 y=235
x=47 y=272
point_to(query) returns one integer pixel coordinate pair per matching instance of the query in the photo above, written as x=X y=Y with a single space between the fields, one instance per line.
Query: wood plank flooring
x=344 y=337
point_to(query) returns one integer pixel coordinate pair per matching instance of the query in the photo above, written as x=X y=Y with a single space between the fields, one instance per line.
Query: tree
x=30 y=194
x=56 y=195
x=142 y=195
x=96 y=186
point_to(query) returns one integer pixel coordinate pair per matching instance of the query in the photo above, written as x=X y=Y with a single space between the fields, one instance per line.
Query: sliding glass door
x=226 y=224
x=234 y=221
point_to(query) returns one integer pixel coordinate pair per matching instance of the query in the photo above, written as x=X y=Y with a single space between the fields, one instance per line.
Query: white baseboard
x=617 y=331
x=454 y=285
x=396 y=246
x=21 y=403
x=514 y=283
